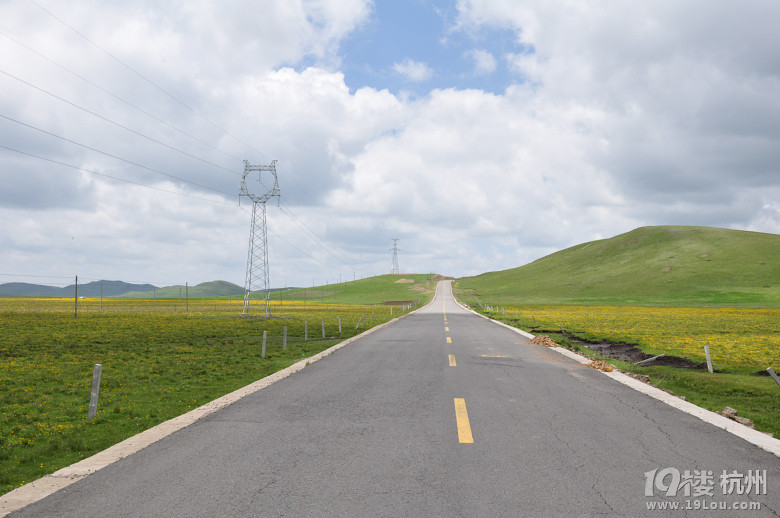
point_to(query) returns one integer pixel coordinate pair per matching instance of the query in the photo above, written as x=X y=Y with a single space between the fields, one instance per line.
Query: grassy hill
x=664 y=265
x=372 y=290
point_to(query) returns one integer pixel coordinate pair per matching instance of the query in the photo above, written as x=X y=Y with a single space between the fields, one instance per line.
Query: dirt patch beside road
x=631 y=353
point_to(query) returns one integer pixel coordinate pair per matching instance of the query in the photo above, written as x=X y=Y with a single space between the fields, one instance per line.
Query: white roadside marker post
x=339 y=325
x=305 y=330
x=323 y=328
x=93 y=397
x=284 y=339
x=650 y=359
x=774 y=376
x=709 y=361
x=265 y=337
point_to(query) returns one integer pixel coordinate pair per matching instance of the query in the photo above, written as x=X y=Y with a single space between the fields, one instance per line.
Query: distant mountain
x=89 y=289
x=24 y=289
x=204 y=289
x=120 y=289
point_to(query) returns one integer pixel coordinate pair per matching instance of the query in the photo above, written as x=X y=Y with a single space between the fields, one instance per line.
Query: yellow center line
x=446 y=328
x=449 y=340
x=462 y=417
x=452 y=361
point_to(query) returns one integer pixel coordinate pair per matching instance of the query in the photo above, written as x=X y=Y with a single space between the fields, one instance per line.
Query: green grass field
x=159 y=360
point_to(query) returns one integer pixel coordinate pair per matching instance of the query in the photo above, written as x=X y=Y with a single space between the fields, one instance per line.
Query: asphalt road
x=382 y=428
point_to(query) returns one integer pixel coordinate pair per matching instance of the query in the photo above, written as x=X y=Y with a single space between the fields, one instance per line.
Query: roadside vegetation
x=160 y=358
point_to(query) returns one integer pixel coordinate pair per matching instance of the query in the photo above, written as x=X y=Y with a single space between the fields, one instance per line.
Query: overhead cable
x=115 y=156
x=125 y=101
x=112 y=177
x=116 y=123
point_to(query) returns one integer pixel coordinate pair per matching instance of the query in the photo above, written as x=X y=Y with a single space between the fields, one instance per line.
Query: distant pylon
x=394 y=266
x=257 y=284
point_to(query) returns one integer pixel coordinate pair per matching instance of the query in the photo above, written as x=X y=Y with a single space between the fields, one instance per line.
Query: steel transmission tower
x=394 y=266
x=257 y=284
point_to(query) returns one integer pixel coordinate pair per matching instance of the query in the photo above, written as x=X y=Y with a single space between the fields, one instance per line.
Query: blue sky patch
x=413 y=46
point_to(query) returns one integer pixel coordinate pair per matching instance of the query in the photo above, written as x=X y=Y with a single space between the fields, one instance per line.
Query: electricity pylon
x=257 y=284
x=394 y=266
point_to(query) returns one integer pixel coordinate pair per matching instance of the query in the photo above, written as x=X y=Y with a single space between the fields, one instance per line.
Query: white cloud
x=413 y=70
x=527 y=66
x=684 y=92
x=623 y=115
x=484 y=61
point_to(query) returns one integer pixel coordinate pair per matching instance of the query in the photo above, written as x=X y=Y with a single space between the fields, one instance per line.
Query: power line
x=295 y=247
x=169 y=94
x=37 y=276
x=286 y=173
x=114 y=122
x=287 y=211
x=70 y=277
x=307 y=230
x=115 y=156
x=112 y=177
x=158 y=87
x=169 y=192
x=128 y=103
x=324 y=244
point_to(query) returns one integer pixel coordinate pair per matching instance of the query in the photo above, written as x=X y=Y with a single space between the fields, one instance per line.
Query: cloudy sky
x=482 y=133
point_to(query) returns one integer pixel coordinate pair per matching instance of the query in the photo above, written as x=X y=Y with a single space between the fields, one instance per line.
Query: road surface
x=441 y=413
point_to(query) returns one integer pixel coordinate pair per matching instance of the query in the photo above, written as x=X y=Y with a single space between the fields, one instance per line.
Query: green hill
x=371 y=290
x=664 y=265
x=204 y=289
